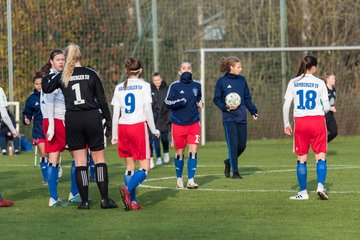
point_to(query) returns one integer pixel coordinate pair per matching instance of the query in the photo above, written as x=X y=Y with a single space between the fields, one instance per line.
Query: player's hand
x=114 y=141
x=288 y=130
x=255 y=116
x=27 y=121
x=156 y=133
x=108 y=128
x=200 y=104
x=15 y=134
x=333 y=109
x=230 y=108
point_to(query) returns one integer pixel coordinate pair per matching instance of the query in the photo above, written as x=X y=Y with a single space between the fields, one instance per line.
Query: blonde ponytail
x=72 y=55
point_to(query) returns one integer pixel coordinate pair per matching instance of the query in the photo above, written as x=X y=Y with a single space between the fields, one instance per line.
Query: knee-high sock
x=321 y=170
x=102 y=179
x=44 y=168
x=138 y=177
x=192 y=163
x=301 y=171
x=179 y=165
x=82 y=182
x=127 y=178
x=53 y=173
x=73 y=186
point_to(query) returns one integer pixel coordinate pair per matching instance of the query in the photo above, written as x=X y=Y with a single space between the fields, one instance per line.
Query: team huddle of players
x=75 y=115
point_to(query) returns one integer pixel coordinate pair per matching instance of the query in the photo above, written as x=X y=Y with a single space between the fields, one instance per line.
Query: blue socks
x=73 y=186
x=127 y=178
x=192 y=163
x=301 y=171
x=136 y=179
x=321 y=170
x=53 y=172
x=44 y=168
x=179 y=165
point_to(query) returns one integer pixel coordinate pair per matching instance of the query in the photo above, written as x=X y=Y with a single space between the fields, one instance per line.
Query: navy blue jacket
x=32 y=109
x=182 y=98
x=233 y=83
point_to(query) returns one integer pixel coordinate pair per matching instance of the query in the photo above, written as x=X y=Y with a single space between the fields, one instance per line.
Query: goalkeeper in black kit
x=84 y=96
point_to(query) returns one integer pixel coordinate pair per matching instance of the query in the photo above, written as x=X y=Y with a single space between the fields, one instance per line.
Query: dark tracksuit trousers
x=331 y=126
x=236 y=137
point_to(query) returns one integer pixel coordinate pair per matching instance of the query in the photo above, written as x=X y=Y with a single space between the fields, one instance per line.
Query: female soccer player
x=7 y=121
x=33 y=111
x=184 y=99
x=84 y=96
x=310 y=105
x=53 y=110
x=159 y=90
x=234 y=119
x=130 y=132
x=330 y=116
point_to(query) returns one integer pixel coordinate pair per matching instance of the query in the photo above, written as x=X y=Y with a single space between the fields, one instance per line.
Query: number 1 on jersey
x=78 y=99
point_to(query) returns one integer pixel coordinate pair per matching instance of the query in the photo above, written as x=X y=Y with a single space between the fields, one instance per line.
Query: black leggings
x=331 y=126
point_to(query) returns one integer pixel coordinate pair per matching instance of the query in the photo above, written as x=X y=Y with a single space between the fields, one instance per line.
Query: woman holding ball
x=234 y=117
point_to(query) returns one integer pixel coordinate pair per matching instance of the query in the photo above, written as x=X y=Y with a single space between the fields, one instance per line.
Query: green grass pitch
x=256 y=207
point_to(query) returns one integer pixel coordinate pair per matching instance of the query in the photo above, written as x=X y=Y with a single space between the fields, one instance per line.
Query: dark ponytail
x=46 y=68
x=307 y=63
x=132 y=67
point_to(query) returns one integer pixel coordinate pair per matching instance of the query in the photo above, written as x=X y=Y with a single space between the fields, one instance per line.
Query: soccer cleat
x=192 y=185
x=108 y=203
x=322 y=195
x=179 y=183
x=158 y=161
x=55 y=203
x=166 y=158
x=236 y=175
x=84 y=205
x=300 y=196
x=125 y=198
x=4 y=153
x=152 y=165
x=6 y=203
x=17 y=152
x=135 y=206
x=227 y=168
x=45 y=183
x=74 y=199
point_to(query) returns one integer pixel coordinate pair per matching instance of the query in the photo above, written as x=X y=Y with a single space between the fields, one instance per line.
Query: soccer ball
x=233 y=100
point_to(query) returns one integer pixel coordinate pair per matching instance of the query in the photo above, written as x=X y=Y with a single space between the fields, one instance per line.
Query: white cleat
x=158 y=161
x=300 y=196
x=55 y=203
x=152 y=165
x=179 y=183
x=166 y=158
x=192 y=185
x=74 y=199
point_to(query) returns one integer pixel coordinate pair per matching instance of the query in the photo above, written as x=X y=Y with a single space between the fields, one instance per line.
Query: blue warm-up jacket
x=233 y=83
x=32 y=109
x=182 y=98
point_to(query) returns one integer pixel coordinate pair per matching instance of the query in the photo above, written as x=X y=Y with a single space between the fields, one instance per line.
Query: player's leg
x=319 y=146
x=331 y=127
x=43 y=160
x=157 y=151
x=179 y=139
x=3 y=146
x=91 y=166
x=232 y=143
x=81 y=173
x=165 y=143
x=242 y=139
x=302 y=138
x=193 y=139
x=53 y=173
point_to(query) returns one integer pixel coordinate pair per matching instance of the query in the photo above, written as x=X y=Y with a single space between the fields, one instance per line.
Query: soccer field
x=256 y=207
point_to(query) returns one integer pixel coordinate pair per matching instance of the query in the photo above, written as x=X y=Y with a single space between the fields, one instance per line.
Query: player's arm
x=28 y=112
x=50 y=99
x=148 y=111
x=104 y=107
x=51 y=82
x=219 y=98
x=248 y=102
x=115 y=119
x=286 y=110
x=325 y=98
x=172 y=101
x=7 y=120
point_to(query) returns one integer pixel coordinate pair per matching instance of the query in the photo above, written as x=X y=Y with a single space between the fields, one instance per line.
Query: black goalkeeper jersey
x=84 y=92
x=332 y=96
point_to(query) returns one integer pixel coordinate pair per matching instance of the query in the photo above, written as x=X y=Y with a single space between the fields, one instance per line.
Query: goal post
x=204 y=51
